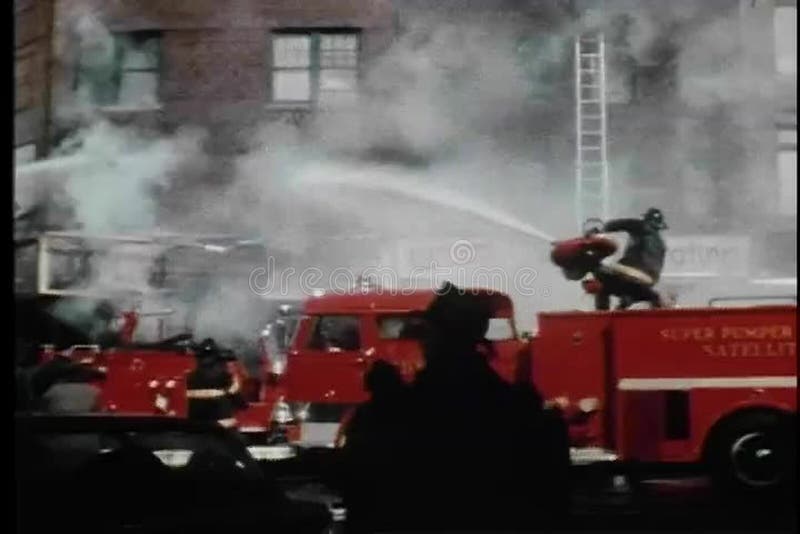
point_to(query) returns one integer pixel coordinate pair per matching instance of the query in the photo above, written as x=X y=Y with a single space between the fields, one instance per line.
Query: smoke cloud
x=450 y=143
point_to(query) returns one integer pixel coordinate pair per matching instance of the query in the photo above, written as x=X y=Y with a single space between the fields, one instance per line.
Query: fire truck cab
x=708 y=386
x=339 y=336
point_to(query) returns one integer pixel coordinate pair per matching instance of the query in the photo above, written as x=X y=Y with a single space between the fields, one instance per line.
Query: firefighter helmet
x=207 y=349
x=458 y=313
x=655 y=218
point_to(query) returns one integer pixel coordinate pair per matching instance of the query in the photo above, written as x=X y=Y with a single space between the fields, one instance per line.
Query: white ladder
x=591 y=158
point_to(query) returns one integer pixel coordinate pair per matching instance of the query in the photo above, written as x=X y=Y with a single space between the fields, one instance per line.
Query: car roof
x=103 y=422
x=392 y=301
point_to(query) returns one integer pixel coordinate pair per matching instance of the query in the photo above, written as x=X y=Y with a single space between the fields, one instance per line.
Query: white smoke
x=446 y=115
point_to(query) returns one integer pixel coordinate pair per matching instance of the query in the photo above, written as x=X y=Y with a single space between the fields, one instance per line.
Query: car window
x=406 y=326
x=335 y=333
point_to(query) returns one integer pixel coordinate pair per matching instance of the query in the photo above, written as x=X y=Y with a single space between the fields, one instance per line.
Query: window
x=787 y=171
x=315 y=67
x=335 y=333
x=123 y=71
x=786 y=39
x=401 y=327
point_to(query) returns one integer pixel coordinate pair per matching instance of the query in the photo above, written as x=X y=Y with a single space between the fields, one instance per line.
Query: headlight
x=278 y=366
x=174 y=457
x=282 y=413
x=301 y=410
x=589 y=404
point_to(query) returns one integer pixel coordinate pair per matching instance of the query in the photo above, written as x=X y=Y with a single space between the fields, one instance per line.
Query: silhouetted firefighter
x=212 y=390
x=461 y=448
x=374 y=441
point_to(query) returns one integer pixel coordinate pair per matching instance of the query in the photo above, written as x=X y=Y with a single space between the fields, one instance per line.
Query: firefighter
x=486 y=455
x=374 y=440
x=213 y=392
x=640 y=267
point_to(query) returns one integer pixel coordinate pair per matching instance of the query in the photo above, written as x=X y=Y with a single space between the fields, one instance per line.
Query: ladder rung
x=589 y=70
x=591 y=101
x=593 y=148
x=591 y=163
x=597 y=132
x=592 y=117
x=590 y=86
x=590 y=55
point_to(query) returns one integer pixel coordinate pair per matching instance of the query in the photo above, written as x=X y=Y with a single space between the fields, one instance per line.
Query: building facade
x=33 y=27
x=702 y=113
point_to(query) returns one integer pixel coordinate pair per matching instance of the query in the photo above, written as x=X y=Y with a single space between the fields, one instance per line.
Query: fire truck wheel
x=754 y=454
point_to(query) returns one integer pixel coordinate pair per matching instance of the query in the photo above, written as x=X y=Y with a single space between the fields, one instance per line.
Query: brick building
x=723 y=166
x=33 y=26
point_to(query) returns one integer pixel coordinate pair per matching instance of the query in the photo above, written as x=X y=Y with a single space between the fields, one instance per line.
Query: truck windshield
x=411 y=327
x=335 y=333
x=408 y=326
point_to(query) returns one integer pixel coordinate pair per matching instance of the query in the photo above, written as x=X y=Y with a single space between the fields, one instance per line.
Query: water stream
x=424 y=192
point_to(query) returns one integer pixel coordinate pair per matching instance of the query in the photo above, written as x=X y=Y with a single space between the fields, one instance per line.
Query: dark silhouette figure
x=463 y=449
x=211 y=389
x=375 y=439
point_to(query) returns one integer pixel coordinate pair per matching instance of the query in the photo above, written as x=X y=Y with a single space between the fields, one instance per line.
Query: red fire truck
x=707 y=387
x=339 y=336
x=149 y=378
x=716 y=387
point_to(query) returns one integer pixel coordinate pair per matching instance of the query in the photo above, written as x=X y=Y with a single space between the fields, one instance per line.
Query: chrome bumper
x=271 y=453
x=591 y=455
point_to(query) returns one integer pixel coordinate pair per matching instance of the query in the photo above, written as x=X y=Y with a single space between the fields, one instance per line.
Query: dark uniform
x=212 y=391
x=643 y=258
x=458 y=449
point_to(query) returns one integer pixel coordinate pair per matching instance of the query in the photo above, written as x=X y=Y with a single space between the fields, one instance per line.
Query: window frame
x=381 y=317
x=316 y=320
x=314 y=62
x=118 y=68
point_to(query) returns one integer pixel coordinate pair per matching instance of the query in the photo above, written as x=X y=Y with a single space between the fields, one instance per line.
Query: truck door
x=328 y=362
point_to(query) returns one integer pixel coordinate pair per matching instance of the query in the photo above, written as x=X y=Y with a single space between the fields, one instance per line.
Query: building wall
x=32 y=30
x=215 y=64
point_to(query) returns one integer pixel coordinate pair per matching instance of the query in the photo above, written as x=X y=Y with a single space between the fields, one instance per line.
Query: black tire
x=754 y=454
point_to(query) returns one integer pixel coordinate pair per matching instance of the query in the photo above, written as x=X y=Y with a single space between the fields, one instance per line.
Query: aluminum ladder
x=591 y=157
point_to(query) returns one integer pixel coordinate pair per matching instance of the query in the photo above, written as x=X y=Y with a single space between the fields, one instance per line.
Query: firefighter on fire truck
x=213 y=392
x=642 y=260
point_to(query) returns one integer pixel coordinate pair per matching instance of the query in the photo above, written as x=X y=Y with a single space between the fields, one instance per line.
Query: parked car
x=103 y=473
